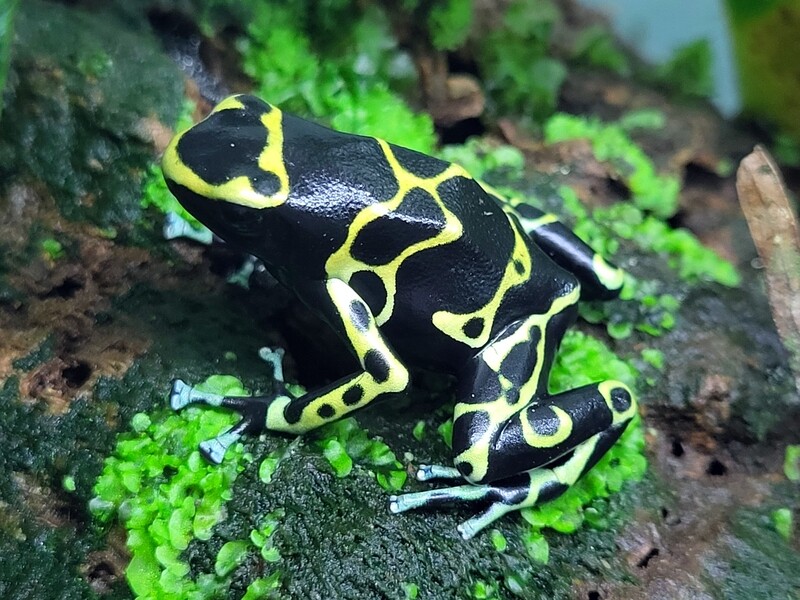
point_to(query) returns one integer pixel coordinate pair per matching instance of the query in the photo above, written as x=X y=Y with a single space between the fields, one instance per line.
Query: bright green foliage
x=653 y=357
x=791 y=462
x=165 y=494
x=68 y=483
x=263 y=587
x=582 y=360
x=783 y=522
x=683 y=251
x=480 y=156
x=688 y=71
x=484 y=590
x=786 y=149
x=597 y=47
x=230 y=556
x=746 y=10
x=520 y=75
x=449 y=22
x=419 y=431
x=411 y=591
x=536 y=544
x=650 y=191
x=155 y=192
x=446 y=431
x=268 y=466
x=642 y=118
x=262 y=537
x=52 y=248
x=344 y=443
x=498 y=540
x=350 y=92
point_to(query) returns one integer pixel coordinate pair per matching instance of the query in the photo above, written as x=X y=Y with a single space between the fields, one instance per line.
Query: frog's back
x=435 y=257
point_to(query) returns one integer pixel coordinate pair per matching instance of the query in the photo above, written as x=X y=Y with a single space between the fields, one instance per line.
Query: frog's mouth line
x=223 y=218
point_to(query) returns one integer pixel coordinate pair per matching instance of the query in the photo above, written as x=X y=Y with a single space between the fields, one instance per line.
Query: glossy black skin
x=333 y=176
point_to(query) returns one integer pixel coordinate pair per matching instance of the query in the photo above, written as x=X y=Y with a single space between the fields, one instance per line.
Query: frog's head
x=228 y=169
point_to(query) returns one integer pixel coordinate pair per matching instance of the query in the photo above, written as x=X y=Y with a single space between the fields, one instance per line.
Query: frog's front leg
x=383 y=373
x=513 y=442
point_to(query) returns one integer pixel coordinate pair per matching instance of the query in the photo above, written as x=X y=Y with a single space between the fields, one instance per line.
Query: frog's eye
x=234 y=155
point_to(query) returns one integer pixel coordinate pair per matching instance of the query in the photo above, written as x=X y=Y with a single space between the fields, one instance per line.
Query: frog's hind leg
x=252 y=408
x=516 y=492
x=513 y=441
x=600 y=280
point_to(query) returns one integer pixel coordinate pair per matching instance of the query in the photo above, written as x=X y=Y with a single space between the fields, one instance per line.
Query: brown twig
x=773 y=226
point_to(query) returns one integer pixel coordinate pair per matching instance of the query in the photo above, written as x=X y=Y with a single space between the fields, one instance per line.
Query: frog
x=413 y=263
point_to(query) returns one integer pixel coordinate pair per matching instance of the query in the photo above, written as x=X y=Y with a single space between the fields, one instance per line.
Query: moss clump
x=354 y=92
x=344 y=443
x=610 y=143
x=449 y=23
x=689 y=70
x=520 y=73
x=165 y=494
x=582 y=360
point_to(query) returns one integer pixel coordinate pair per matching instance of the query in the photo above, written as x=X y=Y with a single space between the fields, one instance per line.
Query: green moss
x=498 y=540
x=52 y=248
x=344 y=443
x=480 y=156
x=783 y=522
x=163 y=492
x=791 y=462
x=519 y=73
x=485 y=590
x=597 y=47
x=610 y=143
x=449 y=23
x=411 y=591
x=688 y=71
x=154 y=189
x=352 y=91
x=7 y=12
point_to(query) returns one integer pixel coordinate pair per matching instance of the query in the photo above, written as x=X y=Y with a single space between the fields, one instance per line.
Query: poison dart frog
x=412 y=262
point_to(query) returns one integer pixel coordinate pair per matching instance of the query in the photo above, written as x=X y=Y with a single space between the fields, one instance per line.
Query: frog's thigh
x=383 y=372
x=506 y=424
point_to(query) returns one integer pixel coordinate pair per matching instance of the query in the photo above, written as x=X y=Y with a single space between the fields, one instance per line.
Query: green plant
x=165 y=494
x=344 y=443
x=519 y=73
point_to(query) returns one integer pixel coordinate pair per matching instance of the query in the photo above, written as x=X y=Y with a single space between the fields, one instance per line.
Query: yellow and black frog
x=412 y=262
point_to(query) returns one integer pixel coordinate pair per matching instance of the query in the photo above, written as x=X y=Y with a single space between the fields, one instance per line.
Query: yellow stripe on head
x=216 y=141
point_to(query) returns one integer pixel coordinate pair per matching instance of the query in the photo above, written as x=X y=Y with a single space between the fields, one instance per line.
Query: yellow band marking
x=238 y=190
x=611 y=277
x=343 y=265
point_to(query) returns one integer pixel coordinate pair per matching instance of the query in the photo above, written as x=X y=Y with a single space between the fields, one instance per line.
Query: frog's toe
x=213 y=450
x=471 y=527
x=431 y=472
x=180 y=394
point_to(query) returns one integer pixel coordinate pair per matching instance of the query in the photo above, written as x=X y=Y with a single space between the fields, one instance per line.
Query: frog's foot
x=501 y=499
x=512 y=493
x=274 y=357
x=241 y=276
x=182 y=395
x=252 y=409
x=176 y=226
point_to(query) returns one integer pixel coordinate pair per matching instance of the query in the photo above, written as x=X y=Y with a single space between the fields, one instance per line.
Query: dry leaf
x=773 y=226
